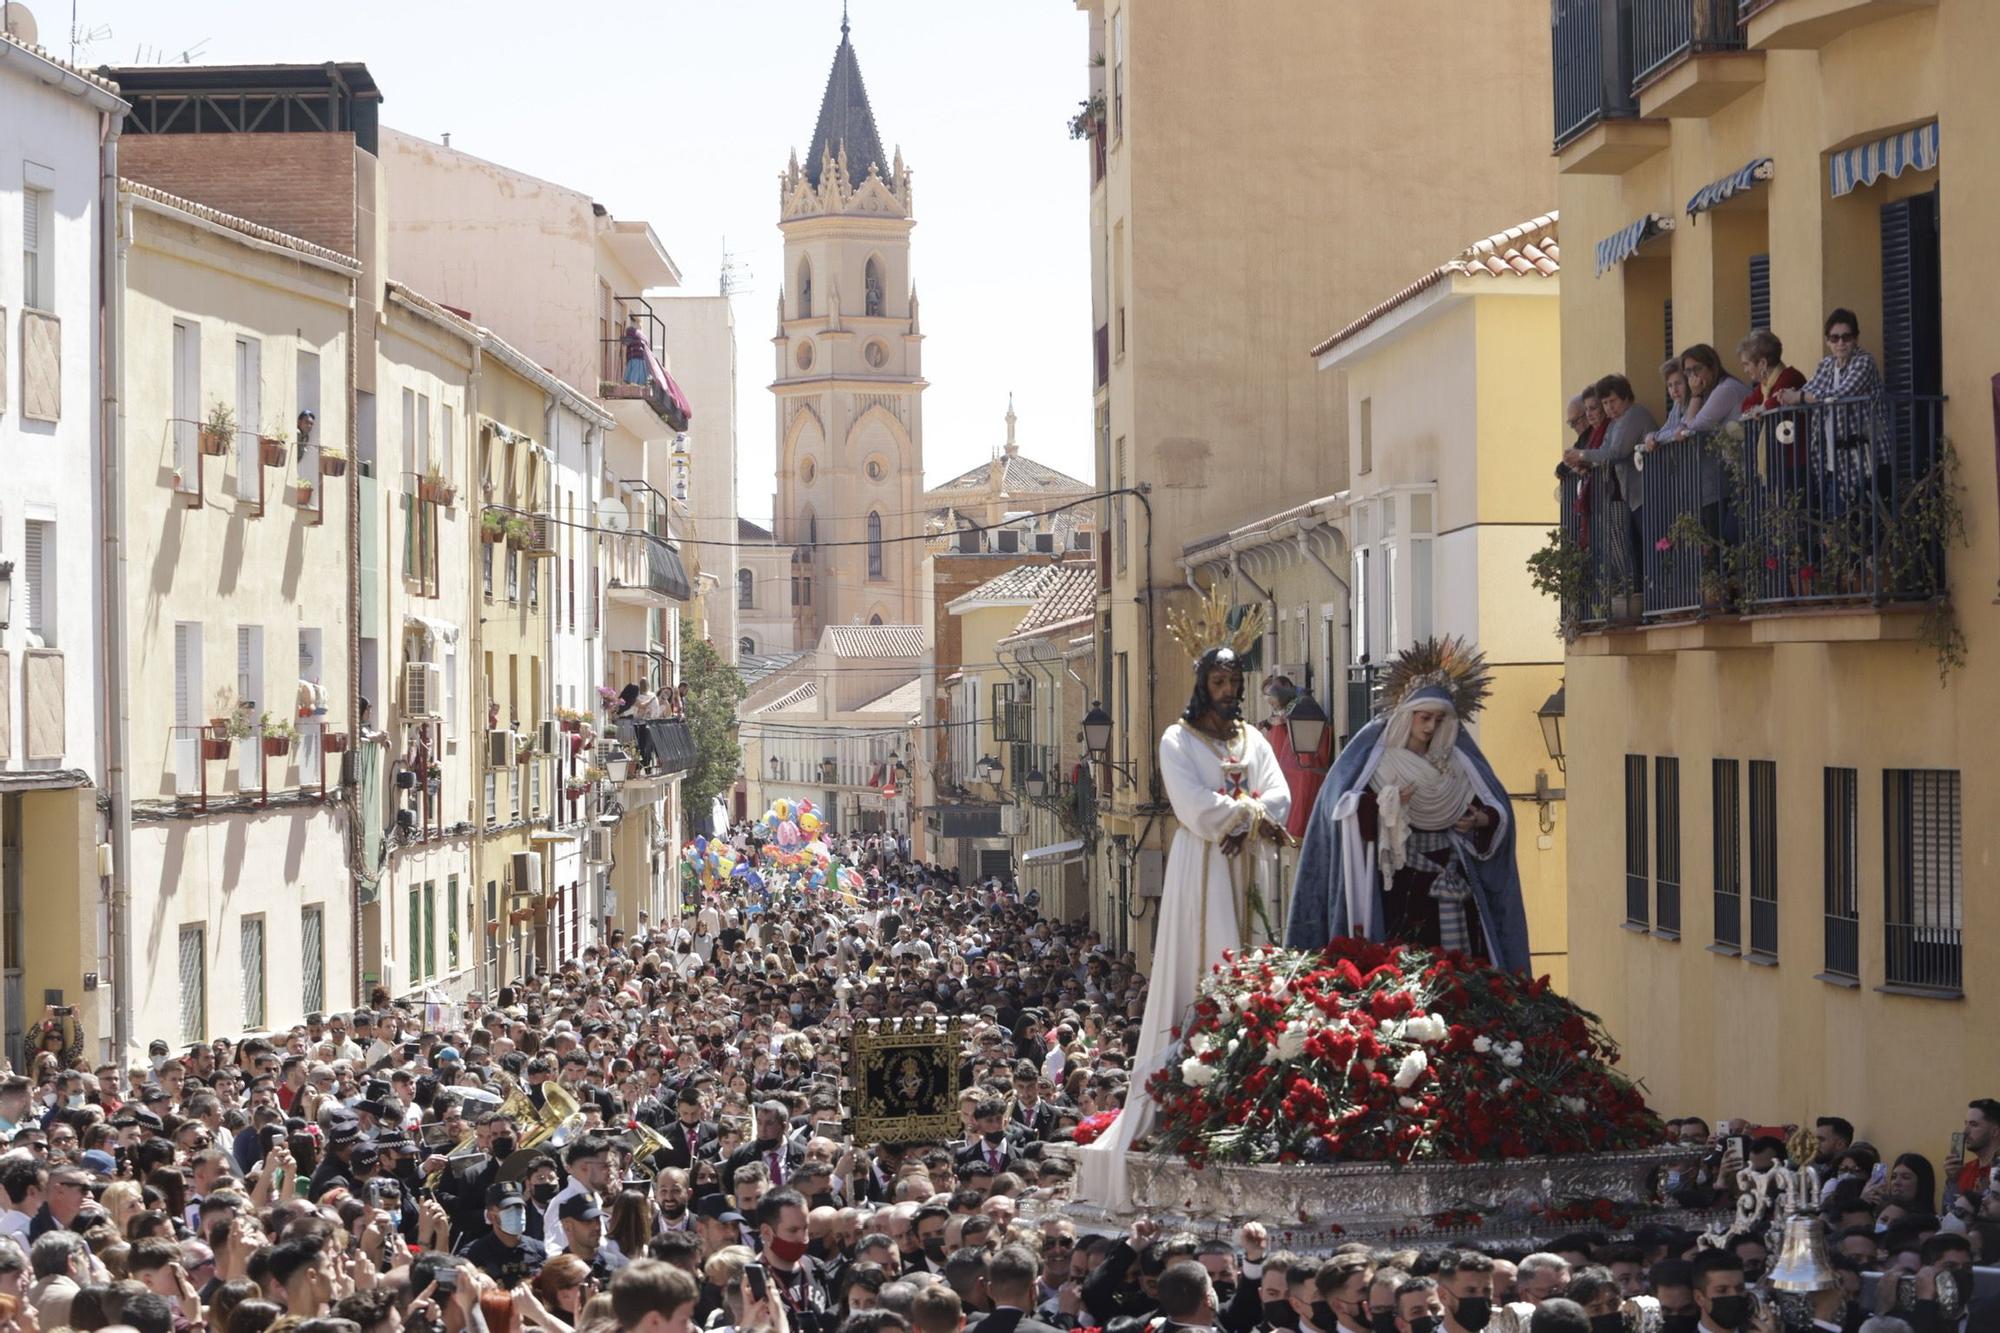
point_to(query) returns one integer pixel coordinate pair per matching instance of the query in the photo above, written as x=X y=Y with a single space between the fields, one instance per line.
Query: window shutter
x=31 y=221
x=1667 y=316
x=34 y=572
x=1910 y=297
x=1760 y=291
x=187 y=652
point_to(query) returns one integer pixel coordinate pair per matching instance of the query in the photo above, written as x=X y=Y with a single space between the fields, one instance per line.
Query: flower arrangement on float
x=1388 y=1053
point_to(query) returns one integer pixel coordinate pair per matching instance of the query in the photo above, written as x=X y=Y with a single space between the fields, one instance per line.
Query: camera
x=63 y=1010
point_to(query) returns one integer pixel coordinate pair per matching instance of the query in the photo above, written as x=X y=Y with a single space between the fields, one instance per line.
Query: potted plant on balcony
x=333 y=742
x=273 y=447
x=1089 y=115
x=278 y=736
x=596 y=773
x=302 y=491
x=524 y=747
x=332 y=461
x=517 y=531
x=215 y=739
x=218 y=430
x=492 y=526
x=433 y=487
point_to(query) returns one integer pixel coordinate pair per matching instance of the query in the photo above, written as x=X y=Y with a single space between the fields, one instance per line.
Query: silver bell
x=1803 y=1262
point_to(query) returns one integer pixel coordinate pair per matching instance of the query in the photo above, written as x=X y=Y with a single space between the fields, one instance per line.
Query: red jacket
x=1304 y=782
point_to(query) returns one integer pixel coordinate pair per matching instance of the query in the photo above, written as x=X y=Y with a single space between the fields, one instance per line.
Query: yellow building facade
x=1776 y=800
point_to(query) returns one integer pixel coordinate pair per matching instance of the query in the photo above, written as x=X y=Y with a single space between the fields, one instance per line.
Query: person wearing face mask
x=794 y=1278
x=1465 y=1290
x=589 y=1161
x=1236 y=1300
x=506 y=1253
x=1011 y=1275
x=1280 y=1275
x=989 y=1144
x=1593 y=1288
x=1721 y=1297
x=1419 y=1307
x=1557 y=1314
x=772 y=1148
x=1187 y=1298
x=1341 y=1287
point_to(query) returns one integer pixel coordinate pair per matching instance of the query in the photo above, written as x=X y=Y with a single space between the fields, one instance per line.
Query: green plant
x=1560 y=569
x=714 y=690
x=517 y=529
x=221 y=420
x=596 y=773
x=1929 y=520
x=277 y=728
x=1089 y=116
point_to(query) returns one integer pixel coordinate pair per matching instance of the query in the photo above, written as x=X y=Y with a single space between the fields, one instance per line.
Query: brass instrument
x=650 y=1141
x=514 y=1105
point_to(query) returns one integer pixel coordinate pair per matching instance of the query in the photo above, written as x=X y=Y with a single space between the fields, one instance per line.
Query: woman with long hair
x=563 y=1287
x=631 y=1221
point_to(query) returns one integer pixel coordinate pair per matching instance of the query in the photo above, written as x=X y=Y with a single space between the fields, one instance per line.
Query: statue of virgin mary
x=1412 y=837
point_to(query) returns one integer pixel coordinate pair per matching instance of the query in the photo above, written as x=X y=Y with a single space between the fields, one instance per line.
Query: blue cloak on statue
x=1333 y=856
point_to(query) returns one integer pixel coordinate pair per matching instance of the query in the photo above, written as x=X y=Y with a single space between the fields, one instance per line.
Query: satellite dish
x=20 y=24
x=612 y=516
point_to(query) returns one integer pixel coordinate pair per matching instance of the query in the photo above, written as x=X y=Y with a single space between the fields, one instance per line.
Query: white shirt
x=16 y=1224
x=553 y=1239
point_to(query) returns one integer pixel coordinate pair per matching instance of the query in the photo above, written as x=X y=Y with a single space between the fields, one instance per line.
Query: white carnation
x=1291 y=1043
x=1413 y=1067
x=1197 y=1074
x=1482 y=1043
x=1201 y=1043
x=1427 y=1027
x=1506 y=1084
x=1408 y=1103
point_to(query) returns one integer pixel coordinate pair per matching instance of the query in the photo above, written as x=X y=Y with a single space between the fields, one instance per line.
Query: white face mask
x=514 y=1219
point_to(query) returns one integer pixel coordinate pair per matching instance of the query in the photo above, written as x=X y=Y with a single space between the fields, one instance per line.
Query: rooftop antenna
x=79 y=37
x=736 y=275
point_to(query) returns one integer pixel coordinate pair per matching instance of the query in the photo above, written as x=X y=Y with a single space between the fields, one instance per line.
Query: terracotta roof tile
x=1069 y=593
x=97 y=81
x=1531 y=249
x=1018 y=475
x=875 y=640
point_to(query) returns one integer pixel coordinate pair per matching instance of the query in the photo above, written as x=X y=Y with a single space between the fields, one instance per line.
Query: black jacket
x=1110 y=1292
x=1010 y=1321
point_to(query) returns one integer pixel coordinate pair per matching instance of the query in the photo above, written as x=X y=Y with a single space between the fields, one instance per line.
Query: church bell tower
x=849 y=380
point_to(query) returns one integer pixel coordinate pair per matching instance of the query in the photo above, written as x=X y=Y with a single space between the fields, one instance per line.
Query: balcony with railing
x=261 y=759
x=631 y=368
x=644 y=570
x=1597 y=124
x=1840 y=508
x=1688 y=57
x=1808 y=25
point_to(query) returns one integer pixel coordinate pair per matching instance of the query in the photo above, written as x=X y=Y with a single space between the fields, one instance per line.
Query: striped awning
x=1864 y=164
x=1713 y=193
x=1619 y=246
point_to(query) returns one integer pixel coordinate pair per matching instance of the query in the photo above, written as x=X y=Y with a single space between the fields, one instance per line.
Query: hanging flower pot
x=215 y=747
x=272 y=449
x=332 y=463
x=334 y=742
x=277 y=747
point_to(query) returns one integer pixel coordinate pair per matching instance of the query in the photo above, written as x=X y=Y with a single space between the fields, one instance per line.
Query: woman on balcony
x=1763 y=359
x=1847 y=373
x=1715 y=400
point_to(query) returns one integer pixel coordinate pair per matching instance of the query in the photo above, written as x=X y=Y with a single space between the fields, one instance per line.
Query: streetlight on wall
x=1037 y=783
x=1305 y=727
x=1097 y=731
x=1551 y=715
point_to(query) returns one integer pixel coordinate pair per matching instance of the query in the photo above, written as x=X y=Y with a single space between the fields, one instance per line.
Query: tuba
x=649 y=1142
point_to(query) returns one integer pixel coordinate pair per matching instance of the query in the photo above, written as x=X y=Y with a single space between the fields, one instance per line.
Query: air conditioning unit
x=1007 y=540
x=598 y=852
x=423 y=690
x=548 y=736
x=1045 y=542
x=527 y=873
x=499 y=748
x=541 y=534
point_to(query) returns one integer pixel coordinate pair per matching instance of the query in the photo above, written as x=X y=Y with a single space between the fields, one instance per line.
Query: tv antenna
x=81 y=38
x=736 y=275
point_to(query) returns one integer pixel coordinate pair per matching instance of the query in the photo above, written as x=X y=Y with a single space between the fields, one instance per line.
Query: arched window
x=746 y=647
x=746 y=588
x=873 y=285
x=875 y=619
x=805 y=288
x=874 y=546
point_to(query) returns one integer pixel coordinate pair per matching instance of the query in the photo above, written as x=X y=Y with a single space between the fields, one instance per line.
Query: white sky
x=682 y=112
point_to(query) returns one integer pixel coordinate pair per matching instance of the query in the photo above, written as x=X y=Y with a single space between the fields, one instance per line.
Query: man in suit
x=990 y=1145
x=1187 y=1298
x=1028 y=1115
x=689 y=1136
x=772 y=1147
x=1010 y=1280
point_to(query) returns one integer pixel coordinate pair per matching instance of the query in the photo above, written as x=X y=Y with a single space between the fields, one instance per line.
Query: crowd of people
x=365 y=1172
x=1828 y=465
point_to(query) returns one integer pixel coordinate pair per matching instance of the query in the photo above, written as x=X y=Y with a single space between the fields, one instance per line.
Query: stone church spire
x=846 y=121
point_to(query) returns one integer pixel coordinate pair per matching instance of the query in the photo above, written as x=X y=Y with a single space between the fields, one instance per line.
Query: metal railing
x=1930 y=957
x=1843 y=946
x=1839 y=502
x=1665 y=32
x=1363 y=681
x=1591 y=55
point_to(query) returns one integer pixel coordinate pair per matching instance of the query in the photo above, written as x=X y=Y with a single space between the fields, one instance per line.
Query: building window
x=1667 y=846
x=312 y=959
x=1118 y=292
x=253 y=971
x=1922 y=878
x=746 y=589
x=805 y=288
x=1637 y=888
x=746 y=647
x=1366 y=436
x=1842 y=868
x=1121 y=479
x=451 y=923
x=874 y=546
x=430 y=928
x=872 y=287
x=38 y=561
x=37 y=249
x=1764 y=858
x=194 y=984
x=1728 y=825
x=1117 y=76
